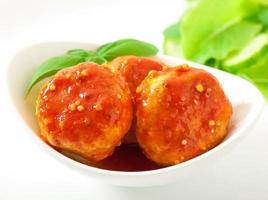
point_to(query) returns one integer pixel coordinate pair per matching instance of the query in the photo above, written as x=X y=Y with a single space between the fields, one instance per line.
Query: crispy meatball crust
x=182 y=112
x=85 y=109
x=133 y=69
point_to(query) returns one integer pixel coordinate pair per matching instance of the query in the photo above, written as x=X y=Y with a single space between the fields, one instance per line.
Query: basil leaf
x=105 y=47
x=51 y=66
x=124 y=47
x=96 y=59
x=80 y=52
x=102 y=55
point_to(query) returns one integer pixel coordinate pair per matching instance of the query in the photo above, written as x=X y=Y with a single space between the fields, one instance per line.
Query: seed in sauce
x=199 y=87
x=52 y=87
x=184 y=142
x=138 y=89
x=84 y=73
x=77 y=102
x=80 y=108
x=218 y=123
x=72 y=107
x=98 y=107
x=212 y=131
x=211 y=123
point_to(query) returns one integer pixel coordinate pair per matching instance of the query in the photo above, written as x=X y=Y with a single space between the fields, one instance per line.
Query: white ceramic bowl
x=245 y=98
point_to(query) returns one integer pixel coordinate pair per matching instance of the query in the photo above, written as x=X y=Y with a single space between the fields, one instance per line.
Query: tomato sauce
x=126 y=157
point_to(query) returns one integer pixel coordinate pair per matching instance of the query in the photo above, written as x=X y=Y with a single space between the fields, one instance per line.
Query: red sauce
x=126 y=157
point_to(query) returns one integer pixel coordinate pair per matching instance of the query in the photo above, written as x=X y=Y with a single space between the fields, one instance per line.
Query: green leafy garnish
x=103 y=54
x=247 y=57
x=262 y=17
x=126 y=47
x=206 y=19
x=172 y=40
x=229 y=39
x=227 y=34
x=80 y=52
x=51 y=66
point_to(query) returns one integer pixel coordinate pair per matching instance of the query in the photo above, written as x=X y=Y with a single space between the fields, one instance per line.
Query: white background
x=28 y=173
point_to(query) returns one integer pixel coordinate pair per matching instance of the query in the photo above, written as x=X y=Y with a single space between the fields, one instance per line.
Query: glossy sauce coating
x=85 y=109
x=181 y=113
x=133 y=69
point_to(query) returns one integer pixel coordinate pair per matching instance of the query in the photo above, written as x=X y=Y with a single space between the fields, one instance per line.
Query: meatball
x=133 y=69
x=181 y=112
x=85 y=109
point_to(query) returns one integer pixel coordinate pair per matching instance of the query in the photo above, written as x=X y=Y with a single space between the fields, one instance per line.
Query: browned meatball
x=85 y=109
x=182 y=112
x=133 y=69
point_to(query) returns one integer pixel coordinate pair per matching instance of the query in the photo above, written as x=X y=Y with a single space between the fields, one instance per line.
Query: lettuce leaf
x=227 y=34
x=205 y=20
x=172 y=40
x=227 y=40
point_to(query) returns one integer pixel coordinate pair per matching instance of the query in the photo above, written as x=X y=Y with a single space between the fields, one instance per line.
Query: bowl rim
x=257 y=108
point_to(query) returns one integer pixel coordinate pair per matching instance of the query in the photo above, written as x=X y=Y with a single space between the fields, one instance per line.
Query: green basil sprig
x=101 y=55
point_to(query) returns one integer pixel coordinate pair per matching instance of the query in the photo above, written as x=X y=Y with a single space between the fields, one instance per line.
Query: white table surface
x=28 y=173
